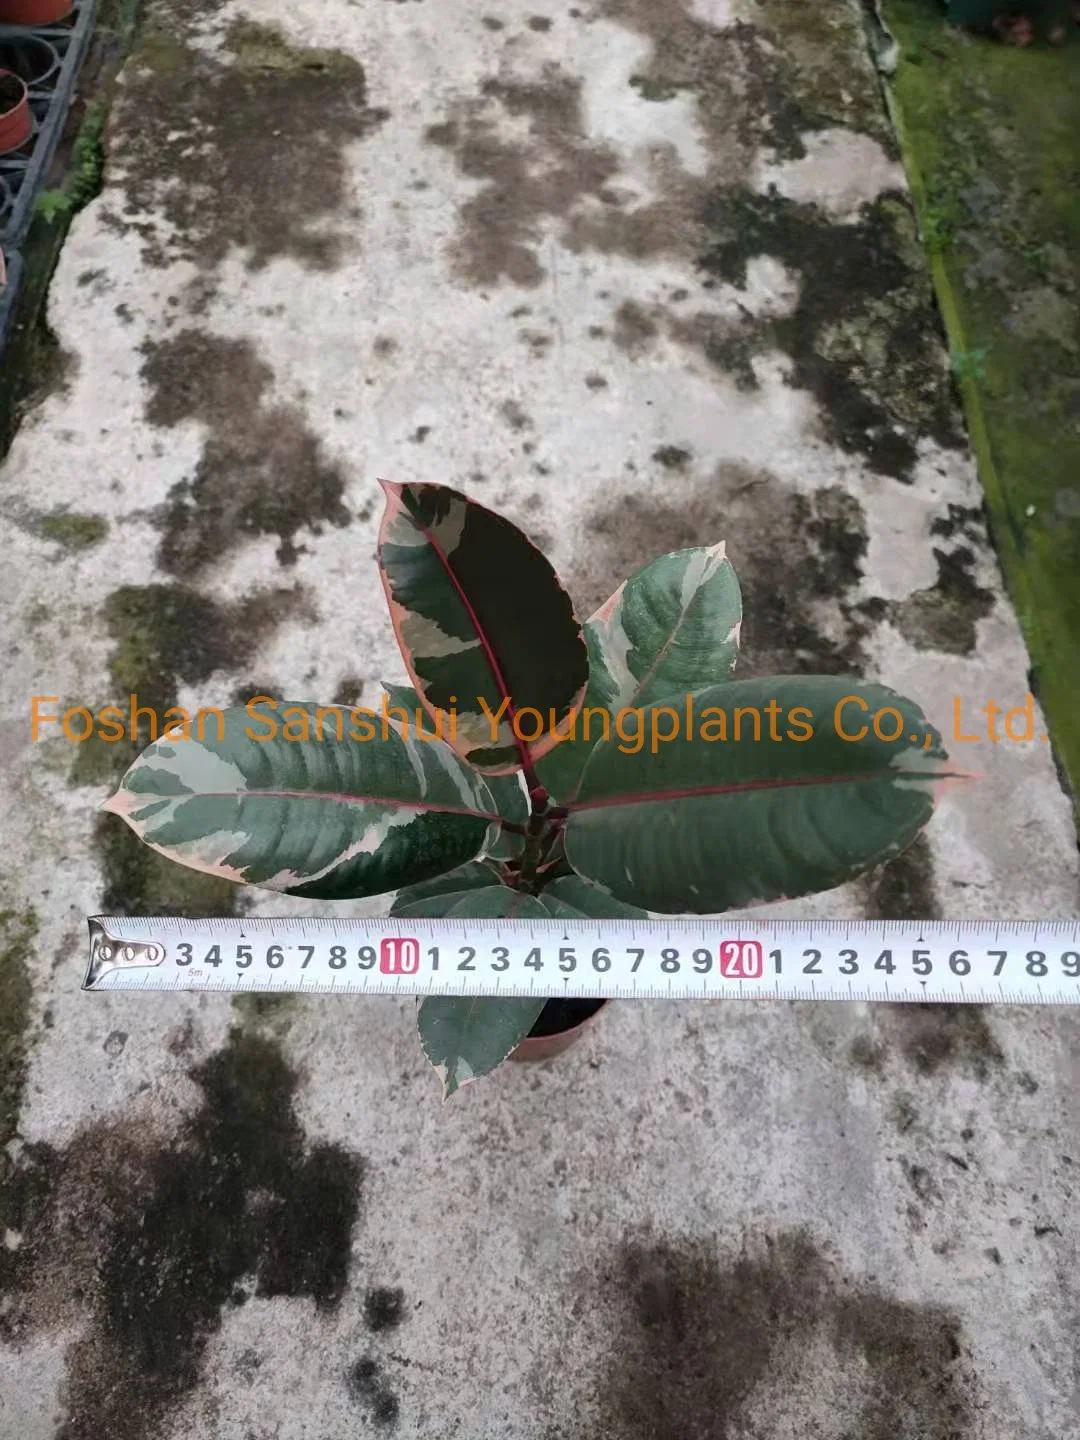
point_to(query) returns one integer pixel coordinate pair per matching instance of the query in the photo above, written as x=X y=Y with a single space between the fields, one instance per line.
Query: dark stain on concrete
x=168 y=635
x=370 y=1391
x=930 y=1037
x=796 y=68
x=71 y=529
x=797 y=557
x=635 y=327
x=545 y=174
x=165 y=636
x=944 y=616
x=865 y=1054
x=672 y=457
x=696 y=1341
x=515 y=416
x=966 y=521
x=156 y=1239
x=537 y=341
x=136 y=880
x=247 y=691
x=936 y=1037
x=348 y=691
x=904 y=888
x=384 y=1309
x=18 y=931
x=263 y=470
x=864 y=337
x=755 y=86
x=246 y=154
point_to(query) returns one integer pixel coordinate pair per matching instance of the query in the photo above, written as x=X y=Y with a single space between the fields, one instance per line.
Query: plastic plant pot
x=561 y=1024
x=16 y=121
x=30 y=58
x=971 y=14
x=34 y=12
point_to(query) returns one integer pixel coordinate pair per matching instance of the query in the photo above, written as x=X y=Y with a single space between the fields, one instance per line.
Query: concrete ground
x=641 y=275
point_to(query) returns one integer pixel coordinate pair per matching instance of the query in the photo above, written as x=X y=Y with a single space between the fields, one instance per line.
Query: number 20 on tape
x=742 y=960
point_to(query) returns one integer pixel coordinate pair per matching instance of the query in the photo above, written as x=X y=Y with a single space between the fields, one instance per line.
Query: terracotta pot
x=34 y=12
x=546 y=1047
x=16 y=121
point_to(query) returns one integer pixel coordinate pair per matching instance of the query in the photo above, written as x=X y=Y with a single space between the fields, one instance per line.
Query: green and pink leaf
x=672 y=628
x=466 y=1037
x=702 y=825
x=484 y=626
x=329 y=817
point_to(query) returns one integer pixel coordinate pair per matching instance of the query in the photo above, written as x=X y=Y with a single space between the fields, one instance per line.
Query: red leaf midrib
x=523 y=751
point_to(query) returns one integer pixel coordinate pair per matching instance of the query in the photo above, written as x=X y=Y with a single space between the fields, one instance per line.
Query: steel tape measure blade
x=984 y=962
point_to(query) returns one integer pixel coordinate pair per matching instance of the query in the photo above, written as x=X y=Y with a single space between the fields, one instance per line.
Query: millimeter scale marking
x=1019 y=962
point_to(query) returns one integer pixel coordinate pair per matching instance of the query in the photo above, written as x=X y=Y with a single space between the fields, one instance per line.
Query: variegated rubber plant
x=484 y=822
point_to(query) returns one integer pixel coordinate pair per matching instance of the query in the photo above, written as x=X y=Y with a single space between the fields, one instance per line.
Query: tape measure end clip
x=108 y=953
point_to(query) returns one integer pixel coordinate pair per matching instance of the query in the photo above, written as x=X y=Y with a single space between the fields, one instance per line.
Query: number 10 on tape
x=399 y=955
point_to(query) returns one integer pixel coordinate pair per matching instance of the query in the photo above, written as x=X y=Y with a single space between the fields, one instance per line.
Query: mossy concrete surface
x=639 y=276
x=17 y=931
x=991 y=136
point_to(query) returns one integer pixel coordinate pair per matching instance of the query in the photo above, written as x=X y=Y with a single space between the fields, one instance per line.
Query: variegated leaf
x=783 y=789
x=298 y=798
x=508 y=791
x=466 y=1037
x=573 y=898
x=672 y=628
x=487 y=633
x=474 y=876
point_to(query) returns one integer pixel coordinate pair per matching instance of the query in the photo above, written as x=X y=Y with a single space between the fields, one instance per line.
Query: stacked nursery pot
x=16 y=118
x=34 y=12
x=16 y=121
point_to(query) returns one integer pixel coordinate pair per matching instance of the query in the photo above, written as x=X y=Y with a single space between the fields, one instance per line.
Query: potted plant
x=1017 y=22
x=538 y=768
x=16 y=121
x=34 y=12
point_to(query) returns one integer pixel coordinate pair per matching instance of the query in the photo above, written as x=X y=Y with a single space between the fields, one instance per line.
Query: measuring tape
x=987 y=963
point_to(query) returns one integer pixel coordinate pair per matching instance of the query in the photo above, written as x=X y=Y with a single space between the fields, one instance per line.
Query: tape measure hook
x=108 y=953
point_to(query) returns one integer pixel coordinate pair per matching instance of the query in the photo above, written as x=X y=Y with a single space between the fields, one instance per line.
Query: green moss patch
x=990 y=138
x=18 y=929
x=72 y=530
x=863 y=337
x=138 y=881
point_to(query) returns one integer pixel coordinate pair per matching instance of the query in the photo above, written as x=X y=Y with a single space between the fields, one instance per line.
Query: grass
x=84 y=179
x=991 y=140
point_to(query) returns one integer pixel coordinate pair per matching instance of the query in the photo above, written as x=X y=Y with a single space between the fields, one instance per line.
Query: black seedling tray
x=10 y=292
x=47 y=58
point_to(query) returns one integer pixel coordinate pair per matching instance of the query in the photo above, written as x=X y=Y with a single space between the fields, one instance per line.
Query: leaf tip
x=115 y=804
x=393 y=492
